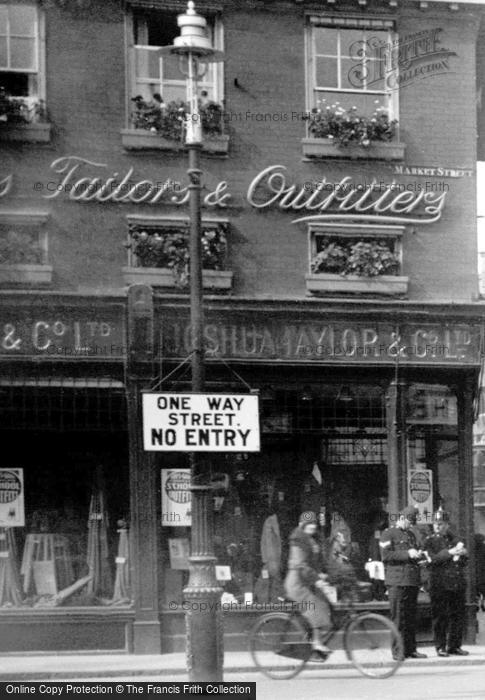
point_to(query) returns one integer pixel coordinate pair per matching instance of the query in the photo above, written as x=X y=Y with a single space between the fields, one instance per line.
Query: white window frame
x=390 y=97
x=216 y=70
x=39 y=69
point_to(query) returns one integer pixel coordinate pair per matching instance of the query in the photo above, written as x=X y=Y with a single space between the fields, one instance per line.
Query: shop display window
x=432 y=451
x=324 y=449
x=65 y=542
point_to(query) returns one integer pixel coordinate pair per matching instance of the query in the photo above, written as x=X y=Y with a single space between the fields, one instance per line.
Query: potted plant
x=162 y=258
x=335 y=131
x=23 y=119
x=22 y=260
x=356 y=266
x=162 y=126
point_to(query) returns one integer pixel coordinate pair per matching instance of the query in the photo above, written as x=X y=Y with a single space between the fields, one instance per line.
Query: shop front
x=362 y=411
x=64 y=494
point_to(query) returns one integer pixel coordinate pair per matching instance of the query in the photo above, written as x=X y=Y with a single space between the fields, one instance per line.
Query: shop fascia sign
x=200 y=422
x=321 y=201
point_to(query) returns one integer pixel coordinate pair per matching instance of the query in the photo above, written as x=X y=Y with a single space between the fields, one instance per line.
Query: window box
x=164 y=277
x=140 y=139
x=38 y=132
x=327 y=148
x=19 y=273
x=383 y=284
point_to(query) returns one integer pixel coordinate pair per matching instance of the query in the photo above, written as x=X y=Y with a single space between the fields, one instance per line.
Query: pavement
x=38 y=667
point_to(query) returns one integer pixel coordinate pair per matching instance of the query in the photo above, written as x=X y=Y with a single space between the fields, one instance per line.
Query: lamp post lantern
x=203 y=616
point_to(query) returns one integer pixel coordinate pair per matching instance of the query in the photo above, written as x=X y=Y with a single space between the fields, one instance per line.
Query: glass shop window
x=64 y=498
x=432 y=451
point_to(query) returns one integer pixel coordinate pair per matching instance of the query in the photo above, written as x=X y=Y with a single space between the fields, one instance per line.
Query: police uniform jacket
x=445 y=574
x=400 y=569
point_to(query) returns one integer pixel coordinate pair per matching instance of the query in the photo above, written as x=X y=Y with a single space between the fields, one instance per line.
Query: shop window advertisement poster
x=12 y=498
x=176 y=498
x=420 y=492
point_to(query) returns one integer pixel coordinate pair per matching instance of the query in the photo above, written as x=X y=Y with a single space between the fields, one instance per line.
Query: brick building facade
x=341 y=282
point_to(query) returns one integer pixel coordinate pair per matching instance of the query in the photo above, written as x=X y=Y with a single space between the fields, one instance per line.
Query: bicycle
x=280 y=642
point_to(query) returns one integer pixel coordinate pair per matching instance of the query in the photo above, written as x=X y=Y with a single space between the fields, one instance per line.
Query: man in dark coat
x=447 y=556
x=401 y=555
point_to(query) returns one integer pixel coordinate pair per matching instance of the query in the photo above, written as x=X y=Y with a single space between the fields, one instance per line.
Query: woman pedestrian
x=305 y=581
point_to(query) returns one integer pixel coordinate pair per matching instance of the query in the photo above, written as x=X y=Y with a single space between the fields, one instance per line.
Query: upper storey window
x=349 y=65
x=152 y=74
x=20 y=50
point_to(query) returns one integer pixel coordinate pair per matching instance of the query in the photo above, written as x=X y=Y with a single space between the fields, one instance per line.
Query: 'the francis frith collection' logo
x=393 y=64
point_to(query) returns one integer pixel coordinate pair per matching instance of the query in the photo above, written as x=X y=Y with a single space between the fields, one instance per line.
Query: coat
x=304 y=564
x=400 y=569
x=271 y=545
x=445 y=574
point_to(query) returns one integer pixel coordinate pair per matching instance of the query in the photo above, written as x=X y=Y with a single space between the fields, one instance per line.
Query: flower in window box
x=19 y=110
x=370 y=259
x=350 y=128
x=169 y=248
x=362 y=258
x=332 y=259
x=20 y=249
x=168 y=120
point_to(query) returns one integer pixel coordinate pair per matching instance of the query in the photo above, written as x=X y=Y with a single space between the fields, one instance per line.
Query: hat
x=441 y=516
x=308 y=517
x=410 y=512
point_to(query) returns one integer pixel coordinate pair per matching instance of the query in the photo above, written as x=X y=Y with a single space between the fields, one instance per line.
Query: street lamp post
x=203 y=616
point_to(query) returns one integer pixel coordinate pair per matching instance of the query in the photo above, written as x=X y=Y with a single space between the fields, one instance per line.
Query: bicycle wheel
x=374 y=645
x=280 y=645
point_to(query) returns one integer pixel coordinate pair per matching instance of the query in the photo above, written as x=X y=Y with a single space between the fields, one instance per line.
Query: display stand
x=46 y=563
x=101 y=581
x=122 y=588
x=10 y=588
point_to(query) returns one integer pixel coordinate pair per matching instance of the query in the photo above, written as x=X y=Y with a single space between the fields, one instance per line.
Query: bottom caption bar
x=245 y=691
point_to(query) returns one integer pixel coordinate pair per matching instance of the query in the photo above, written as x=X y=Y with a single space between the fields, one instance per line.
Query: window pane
x=18 y=84
x=3 y=20
x=170 y=68
x=147 y=64
x=353 y=76
x=173 y=92
x=352 y=43
x=22 y=20
x=366 y=103
x=22 y=53
x=3 y=53
x=326 y=40
x=326 y=72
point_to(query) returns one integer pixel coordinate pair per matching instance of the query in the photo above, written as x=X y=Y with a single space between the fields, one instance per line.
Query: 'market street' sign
x=201 y=422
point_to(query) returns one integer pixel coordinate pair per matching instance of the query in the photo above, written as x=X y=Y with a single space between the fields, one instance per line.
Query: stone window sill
x=19 y=274
x=325 y=283
x=141 y=140
x=327 y=148
x=218 y=280
x=27 y=133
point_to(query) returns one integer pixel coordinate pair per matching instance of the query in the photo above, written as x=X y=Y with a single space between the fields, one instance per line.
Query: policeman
x=401 y=555
x=448 y=556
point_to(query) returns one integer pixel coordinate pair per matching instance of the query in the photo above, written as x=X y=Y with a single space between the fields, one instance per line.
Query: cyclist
x=305 y=581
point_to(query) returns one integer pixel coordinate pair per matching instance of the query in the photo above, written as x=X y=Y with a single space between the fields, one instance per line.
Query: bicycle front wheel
x=280 y=645
x=374 y=645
